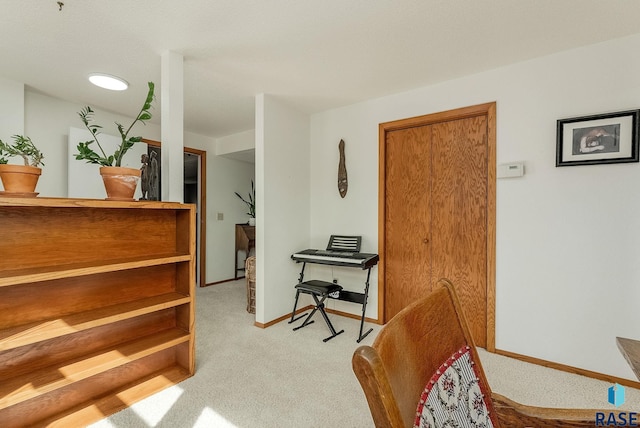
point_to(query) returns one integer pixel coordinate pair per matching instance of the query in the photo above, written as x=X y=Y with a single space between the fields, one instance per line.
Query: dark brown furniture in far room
x=245 y=241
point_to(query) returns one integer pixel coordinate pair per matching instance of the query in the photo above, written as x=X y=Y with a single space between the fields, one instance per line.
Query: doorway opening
x=194 y=192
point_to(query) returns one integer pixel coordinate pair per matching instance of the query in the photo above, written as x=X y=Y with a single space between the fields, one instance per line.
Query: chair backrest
x=344 y=243
x=411 y=351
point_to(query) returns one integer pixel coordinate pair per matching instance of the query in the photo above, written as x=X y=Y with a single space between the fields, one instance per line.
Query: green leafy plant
x=251 y=202
x=85 y=152
x=24 y=147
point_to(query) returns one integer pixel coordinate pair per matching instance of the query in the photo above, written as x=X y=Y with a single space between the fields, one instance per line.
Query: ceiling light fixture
x=108 y=81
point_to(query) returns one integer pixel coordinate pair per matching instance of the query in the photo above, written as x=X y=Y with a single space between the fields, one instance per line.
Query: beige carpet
x=275 y=377
x=540 y=386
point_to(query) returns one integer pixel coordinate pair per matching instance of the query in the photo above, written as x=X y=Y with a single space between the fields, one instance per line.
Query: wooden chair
x=405 y=368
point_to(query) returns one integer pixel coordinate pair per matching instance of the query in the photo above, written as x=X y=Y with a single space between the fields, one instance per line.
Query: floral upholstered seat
x=454 y=396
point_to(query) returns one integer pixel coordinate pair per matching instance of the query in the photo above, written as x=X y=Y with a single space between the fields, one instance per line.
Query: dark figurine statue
x=144 y=177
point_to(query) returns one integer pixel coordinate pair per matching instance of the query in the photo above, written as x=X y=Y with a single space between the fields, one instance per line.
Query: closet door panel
x=459 y=214
x=407 y=218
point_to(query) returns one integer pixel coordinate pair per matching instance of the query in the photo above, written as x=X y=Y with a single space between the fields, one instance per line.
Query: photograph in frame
x=598 y=139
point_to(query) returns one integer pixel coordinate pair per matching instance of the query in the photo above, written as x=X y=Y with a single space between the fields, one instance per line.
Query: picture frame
x=598 y=139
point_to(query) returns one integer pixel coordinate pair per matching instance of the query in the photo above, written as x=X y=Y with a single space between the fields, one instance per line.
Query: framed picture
x=602 y=138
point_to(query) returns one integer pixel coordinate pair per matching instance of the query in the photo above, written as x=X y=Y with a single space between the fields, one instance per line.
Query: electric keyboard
x=341 y=251
x=337 y=258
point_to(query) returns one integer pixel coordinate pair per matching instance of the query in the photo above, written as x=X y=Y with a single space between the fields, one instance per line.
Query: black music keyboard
x=336 y=258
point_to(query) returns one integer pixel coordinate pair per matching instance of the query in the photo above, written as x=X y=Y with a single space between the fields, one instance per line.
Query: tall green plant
x=251 y=202
x=23 y=147
x=87 y=153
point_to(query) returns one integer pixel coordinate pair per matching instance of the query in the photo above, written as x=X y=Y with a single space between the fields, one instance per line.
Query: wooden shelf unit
x=97 y=304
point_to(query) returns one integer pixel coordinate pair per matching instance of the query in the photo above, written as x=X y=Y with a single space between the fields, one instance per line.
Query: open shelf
x=43 y=330
x=119 y=399
x=34 y=384
x=46 y=273
x=96 y=306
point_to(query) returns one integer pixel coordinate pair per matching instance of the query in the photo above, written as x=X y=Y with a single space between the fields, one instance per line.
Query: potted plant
x=120 y=182
x=251 y=203
x=20 y=180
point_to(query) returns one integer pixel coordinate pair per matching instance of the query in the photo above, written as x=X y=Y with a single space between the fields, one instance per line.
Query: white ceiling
x=313 y=55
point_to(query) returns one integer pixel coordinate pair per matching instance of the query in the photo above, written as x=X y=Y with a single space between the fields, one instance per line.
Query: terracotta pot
x=120 y=182
x=20 y=179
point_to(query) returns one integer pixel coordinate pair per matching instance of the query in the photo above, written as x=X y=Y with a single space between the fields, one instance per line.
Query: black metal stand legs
x=365 y=296
x=293 y=313
x=320 y=291
x=319 y=307
x=316 y=289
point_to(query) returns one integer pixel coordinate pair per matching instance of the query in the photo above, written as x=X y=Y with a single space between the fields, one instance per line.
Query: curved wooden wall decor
x=343 y=184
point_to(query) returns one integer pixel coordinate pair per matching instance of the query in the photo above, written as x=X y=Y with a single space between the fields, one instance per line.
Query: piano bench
x=318 y=287
x=319 y=291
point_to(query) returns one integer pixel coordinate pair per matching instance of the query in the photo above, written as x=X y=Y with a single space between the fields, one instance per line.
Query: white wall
x=240 y=142
x=224 y=177
x=282 y=208
x=568 y=239
x=11 y=110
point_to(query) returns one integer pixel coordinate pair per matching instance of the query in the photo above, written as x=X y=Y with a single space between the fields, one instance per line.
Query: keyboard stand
x=324 y=290
x=361 y=298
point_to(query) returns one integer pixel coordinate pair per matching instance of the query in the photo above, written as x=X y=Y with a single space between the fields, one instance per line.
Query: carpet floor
x=250 y=377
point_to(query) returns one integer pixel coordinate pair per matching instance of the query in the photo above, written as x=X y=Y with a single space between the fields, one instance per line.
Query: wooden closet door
x=437 y=213
x=459 y=215
x=407 y=252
